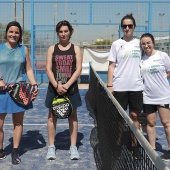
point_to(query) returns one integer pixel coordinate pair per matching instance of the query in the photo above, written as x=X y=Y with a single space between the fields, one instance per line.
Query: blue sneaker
x=51 y=153
x=74 y=153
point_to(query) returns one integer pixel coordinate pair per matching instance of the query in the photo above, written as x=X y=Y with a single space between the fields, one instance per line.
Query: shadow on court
x=33 y=145
x=29 y=141
x=34 y=141
x=62 y=140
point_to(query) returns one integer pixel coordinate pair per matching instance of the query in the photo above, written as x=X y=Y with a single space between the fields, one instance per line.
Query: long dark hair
x=146 y=35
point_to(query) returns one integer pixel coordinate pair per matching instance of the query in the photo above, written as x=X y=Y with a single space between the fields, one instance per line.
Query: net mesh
x=116 y=142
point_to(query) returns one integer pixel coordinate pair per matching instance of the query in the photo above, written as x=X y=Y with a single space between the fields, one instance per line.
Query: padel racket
x=62 y=107
x=21 y=92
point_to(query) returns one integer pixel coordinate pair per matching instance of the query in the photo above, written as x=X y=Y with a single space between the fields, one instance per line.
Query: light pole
x=74 y=20
x=110 y=36
x=146 y=28
x=117 y=29
x=75 y=30
x=161 y=26
x=55 y=20
x=54 y=26
x=22 y=15
x=161 y=23
x=73 y=14
x=169 y=39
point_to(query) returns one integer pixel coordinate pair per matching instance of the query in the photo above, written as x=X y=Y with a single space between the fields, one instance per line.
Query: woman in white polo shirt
x=155 y=69
x=124 y=78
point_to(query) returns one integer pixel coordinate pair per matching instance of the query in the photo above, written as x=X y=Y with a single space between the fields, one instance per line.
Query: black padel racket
x=21 y=92
x=62 y=107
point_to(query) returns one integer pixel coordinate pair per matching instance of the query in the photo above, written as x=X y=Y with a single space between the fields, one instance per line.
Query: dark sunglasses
x=130 y=26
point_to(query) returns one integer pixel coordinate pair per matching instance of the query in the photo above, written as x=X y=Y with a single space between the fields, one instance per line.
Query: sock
x=15 y=150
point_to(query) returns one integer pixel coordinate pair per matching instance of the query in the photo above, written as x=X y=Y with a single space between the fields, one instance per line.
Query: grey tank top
x=12 y=64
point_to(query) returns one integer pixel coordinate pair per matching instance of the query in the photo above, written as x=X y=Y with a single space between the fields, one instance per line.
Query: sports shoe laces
x=73 y=151
x=51 y=149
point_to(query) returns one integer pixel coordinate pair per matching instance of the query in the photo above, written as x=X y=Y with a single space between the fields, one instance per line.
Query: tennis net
x=117 y=143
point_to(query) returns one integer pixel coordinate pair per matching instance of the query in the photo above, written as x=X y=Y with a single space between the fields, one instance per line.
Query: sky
x=90 y=22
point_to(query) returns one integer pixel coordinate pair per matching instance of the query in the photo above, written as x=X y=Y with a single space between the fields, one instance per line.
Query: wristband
x=109 y=86
x=56 y=87
x=35 y=85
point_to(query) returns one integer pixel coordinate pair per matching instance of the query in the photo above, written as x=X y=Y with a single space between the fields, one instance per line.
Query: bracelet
x=56 y=87
x=109 y=86
x=35 y=85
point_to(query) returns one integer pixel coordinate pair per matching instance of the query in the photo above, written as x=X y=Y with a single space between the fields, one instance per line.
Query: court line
x=65 y=124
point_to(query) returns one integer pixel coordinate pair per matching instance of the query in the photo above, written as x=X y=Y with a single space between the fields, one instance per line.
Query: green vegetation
x=26 y=35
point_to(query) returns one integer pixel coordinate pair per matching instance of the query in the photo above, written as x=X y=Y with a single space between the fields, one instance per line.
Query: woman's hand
x=111 y=89
x=2 y=85
x=35 y=92
x=61 y=90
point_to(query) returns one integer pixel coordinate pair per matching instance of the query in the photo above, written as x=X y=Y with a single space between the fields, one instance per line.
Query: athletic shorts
x=75 y=99
x=133 y=99
x=150 y=108
x=8 y=105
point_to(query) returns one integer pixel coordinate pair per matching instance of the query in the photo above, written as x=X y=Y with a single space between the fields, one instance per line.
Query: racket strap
x=23 y=64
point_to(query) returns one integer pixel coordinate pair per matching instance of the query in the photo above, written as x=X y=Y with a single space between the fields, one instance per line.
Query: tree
x=103 y=43
x=26 y=35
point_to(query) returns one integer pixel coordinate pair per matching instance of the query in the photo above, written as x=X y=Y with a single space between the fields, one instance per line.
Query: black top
x=63 y=67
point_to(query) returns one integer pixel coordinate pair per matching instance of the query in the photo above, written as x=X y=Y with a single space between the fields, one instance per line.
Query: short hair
x=64 y=23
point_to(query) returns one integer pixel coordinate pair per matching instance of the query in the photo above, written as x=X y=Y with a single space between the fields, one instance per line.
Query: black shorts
x=75 y=99
x=151 y=108
x=133 y=99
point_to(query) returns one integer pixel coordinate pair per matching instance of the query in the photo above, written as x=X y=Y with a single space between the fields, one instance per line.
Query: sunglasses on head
x=129 y=25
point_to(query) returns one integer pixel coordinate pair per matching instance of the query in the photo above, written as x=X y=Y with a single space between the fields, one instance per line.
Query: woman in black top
x=63 y=68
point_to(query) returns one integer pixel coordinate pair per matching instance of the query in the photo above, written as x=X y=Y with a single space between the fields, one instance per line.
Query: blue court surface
x=161 y=141
x=33 y=146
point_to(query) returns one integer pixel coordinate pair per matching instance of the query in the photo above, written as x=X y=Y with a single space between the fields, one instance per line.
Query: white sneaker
x=51 y=153
x=74 y=153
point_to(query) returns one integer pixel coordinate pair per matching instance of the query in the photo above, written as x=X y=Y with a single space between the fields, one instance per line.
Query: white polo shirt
x=156 y=85
x=127 y=56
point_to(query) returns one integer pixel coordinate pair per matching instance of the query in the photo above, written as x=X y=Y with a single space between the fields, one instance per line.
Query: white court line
x=62 y=125
x=159 y=126
x=90 y=125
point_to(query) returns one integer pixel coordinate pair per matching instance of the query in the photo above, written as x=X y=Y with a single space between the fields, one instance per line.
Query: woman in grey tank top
x=12 y=63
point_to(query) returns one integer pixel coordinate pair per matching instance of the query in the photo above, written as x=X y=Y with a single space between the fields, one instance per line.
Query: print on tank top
x=63 y=67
